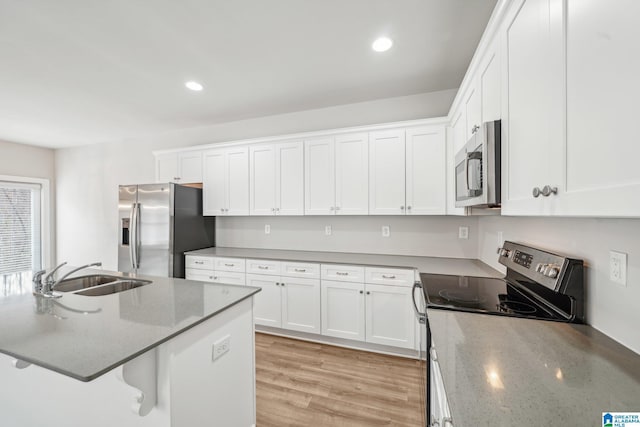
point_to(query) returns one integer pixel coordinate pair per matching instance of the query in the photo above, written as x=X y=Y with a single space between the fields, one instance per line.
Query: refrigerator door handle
x=132 y=236
x=137 y=235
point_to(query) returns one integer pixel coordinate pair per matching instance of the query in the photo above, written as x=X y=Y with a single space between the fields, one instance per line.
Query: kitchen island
x=171 y=353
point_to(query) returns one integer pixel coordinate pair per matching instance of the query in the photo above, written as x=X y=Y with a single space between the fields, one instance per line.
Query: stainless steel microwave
x=478 y=168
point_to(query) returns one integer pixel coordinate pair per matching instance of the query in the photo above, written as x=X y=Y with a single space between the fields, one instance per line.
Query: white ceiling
x=88 y=71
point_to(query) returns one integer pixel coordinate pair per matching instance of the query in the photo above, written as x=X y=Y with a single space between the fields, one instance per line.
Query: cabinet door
x=425 y=168
x=490 y=91
x=267 y=309
x=262 y=180
x=472 y=109
x=201 y=275
x=167 y=168
x=319 y=177
x=342 y=306
x=389 y=316
x=237 y=174
x=290 y=178
x=300 y=304
x=387 y=172
x=352 y=174
x=190 y=167
x=214 y=183
x=534 y=113
x=603 y=89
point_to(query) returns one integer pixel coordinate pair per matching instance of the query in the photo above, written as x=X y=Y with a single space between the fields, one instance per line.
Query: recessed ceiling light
x=382 y=44
x=194 y=86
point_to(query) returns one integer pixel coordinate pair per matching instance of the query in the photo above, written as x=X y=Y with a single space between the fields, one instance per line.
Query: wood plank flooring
x=300 y=383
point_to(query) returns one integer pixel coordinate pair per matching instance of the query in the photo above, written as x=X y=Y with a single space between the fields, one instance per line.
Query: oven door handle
x=421 y=316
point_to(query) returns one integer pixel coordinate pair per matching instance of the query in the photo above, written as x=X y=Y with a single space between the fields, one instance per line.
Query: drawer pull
x=199 y=262
x=339 y=273
x=384 y=276
x=300 y=270
x=229 y=265
x=263 y=267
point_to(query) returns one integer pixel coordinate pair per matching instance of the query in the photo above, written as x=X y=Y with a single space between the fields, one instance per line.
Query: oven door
x=470 y=189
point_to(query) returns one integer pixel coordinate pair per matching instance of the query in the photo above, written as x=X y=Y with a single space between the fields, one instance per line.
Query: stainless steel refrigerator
x=157 y=224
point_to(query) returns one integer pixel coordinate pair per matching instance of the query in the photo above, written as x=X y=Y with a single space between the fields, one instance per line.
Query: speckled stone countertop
x=507 y=371
x=86 y=336
x=435 y=265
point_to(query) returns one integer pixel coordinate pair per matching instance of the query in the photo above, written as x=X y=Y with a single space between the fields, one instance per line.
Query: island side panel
x=207 y=392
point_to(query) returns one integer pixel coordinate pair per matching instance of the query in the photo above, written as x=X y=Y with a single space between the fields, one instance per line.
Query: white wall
x=611 y=308
x=31 y=162
x=413 y=235
x=88 y=177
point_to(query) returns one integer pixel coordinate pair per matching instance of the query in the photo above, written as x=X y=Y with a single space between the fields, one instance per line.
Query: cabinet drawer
x=200 y=262
x=389 y=276
x=229 y=278
x=342 y=273
x=299 y=269
x=229 y=264
x=261 y=266
x=201 y=275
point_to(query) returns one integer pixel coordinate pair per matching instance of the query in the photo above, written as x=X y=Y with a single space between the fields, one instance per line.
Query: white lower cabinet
x=389 y=316
x=343 y=309
x=287 y=302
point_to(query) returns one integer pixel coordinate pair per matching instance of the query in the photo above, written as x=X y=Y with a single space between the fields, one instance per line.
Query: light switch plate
x=386 y=232
x=618 y=267
x=463 y=232
x=267 y=229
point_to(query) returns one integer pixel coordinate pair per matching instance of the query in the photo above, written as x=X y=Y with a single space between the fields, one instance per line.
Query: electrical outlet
x=618 y=267
x=385 y=231
x=327 y=230
x=222 y=346
x=267 y=229
x=463 y=232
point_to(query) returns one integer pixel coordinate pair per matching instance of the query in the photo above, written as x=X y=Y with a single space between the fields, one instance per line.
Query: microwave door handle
x=466 y=172
x=137 y=235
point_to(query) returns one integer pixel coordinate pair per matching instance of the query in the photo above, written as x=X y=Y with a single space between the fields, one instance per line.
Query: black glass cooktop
x=482 y=295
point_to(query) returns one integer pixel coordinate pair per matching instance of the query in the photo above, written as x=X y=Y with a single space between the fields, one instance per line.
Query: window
x=23 y=224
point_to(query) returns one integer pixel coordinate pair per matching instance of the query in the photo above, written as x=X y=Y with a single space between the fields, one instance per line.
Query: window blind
x=20 y=241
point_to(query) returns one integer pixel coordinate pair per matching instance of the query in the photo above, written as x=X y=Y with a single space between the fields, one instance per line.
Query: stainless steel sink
x=115 y=287
x=84 y=282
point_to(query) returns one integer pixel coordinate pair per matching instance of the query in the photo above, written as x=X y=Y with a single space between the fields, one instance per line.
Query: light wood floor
x=300 y=383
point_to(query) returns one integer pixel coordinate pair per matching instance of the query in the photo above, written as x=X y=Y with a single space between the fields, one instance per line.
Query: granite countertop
x=435 y=265
x=86 y=336
x=507 y=371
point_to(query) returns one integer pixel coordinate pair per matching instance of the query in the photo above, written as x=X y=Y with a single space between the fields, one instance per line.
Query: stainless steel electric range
x=538 y=285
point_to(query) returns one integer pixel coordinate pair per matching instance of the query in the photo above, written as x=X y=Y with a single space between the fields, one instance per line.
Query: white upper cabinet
x=179 y=167
x=276 y=179
x=425 y=171
x=489 y=83
x=602 y=176
x=225 y=188
x=352 y=174
x=387 y=172
x=533 y=127
x=290 y=178
x=319 y=176
x=336 y=175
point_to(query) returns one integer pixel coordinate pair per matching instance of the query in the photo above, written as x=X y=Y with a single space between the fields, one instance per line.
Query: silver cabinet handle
x=339 y=273
x=362 y=292
x=215 y=277
x=229 y=265
x=273 y=209
x=210 y=277
x=337 y=208
x=281 y=284
x=277 y=209
x=277 y=284
x=368 y=292
x=300 y=270
x=401 y=208
x=536 y=192
x=263 y=267
x=332 y=208
x=176 y=178
x=221 y=209
x=408 y=208
x=475 y=129
x=547 y=190
x=384 y=276
x=198 y=262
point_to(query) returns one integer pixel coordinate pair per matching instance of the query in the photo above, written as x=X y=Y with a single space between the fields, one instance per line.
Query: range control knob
x=552 y=271
x=504 y=252
x=540 y=267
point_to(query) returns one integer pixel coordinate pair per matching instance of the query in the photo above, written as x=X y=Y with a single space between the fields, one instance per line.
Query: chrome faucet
x=46 y=288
